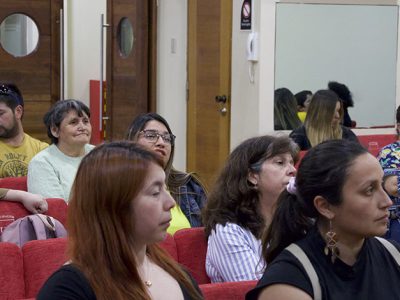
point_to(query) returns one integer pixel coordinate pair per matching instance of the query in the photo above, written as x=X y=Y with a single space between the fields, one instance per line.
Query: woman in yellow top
x=153 y=132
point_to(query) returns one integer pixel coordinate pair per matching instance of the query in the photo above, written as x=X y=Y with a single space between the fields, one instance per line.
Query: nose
x=169 y=202
x=385 y=202
x=160 y=141
x=292 y=170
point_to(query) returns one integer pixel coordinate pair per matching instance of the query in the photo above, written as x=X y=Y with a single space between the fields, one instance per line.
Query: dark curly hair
x=233 y=198
x=343 y=93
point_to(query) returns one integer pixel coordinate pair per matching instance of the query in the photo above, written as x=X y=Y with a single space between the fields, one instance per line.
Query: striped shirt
x=233 y=254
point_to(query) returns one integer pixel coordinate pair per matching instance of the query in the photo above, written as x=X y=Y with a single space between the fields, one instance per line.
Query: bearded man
x=16 y=147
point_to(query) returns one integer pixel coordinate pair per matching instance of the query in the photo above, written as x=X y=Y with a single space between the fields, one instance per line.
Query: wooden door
x=130 y=78
x=209 y=68
x=38 y=74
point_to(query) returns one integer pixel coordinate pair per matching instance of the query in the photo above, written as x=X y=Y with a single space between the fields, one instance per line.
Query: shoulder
x=35 y=142
x=232 y=233
x=348 y=133
x=298 y=131
x=89 y=147
x=67 y=283
x=44 y=155
x=277 y=273
x=194 y=184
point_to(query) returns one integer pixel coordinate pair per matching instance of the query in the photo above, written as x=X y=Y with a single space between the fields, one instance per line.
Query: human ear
x=54 y=131
x=252 y=178
x=18 y=112
x=323 y=207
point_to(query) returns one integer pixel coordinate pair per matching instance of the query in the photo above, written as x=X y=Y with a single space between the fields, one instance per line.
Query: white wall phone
x=252 y=47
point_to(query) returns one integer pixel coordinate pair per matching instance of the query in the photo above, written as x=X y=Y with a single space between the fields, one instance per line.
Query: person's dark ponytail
x=289 y=224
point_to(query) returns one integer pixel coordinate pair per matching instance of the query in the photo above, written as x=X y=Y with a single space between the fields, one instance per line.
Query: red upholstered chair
x=227 y=290
x=375 y=142
x=57 y=209
x=15 y=183
x=191 y=245
x=170 y=246
x=301 y=155
x=12 y=284
x=41 y=259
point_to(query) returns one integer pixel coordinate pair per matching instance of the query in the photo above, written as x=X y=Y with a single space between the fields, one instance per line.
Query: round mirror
x=19 y=35
x=125 y=37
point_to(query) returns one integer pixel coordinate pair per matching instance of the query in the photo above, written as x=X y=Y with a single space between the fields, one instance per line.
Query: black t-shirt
x=69 y=283
x=375 y=275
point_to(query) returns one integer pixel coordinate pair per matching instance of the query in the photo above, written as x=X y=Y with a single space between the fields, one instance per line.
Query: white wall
x=82 y=46
x=351 y=44
x=171 y=71
x=252 y=104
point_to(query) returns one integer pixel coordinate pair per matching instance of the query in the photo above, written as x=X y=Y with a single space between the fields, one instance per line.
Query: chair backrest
x=375 y=142
x=57 y=209
x=191 y=245
x=14 y=183
x=227 y=290
x=12 y=284
x=301 y=155
x=41 y=259
x=170 y=246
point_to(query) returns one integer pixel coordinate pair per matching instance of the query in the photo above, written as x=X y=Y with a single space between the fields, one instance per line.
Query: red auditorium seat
x=15 y=183
x=170 y=246
x=191 y=245
x=57 y=209
x=41 y=259
x=227 y=290
x=11 y=272
x=375 y=142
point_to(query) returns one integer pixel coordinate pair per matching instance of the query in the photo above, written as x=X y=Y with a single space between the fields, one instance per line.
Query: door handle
x=221 y=98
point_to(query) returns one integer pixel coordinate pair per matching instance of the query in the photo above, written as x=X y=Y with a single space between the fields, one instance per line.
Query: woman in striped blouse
x=241 y=205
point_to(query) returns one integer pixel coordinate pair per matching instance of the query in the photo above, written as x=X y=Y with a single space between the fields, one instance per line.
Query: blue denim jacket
x=192 y=199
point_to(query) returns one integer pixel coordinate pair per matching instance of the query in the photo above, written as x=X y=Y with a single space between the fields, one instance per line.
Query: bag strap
x=391 y=248
x=305 y=261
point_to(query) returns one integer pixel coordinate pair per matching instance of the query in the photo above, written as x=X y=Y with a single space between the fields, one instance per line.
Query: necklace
x=146 y=271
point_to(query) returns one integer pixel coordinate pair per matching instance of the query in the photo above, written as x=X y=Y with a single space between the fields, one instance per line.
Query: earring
x=331 y=243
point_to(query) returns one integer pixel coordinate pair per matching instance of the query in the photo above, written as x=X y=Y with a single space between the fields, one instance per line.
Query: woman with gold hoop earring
x=321 y=243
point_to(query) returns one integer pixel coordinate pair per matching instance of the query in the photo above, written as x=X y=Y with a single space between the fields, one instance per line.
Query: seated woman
x=153 y=132
x=285 y=110
x=389 y=158
x=331 y=213
x=323 y=122
x=119 y=210
x=34 y=203
x=241 y=206
x=52 y=171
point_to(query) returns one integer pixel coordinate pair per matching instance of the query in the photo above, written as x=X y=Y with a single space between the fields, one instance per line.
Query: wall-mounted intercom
x=252 y=46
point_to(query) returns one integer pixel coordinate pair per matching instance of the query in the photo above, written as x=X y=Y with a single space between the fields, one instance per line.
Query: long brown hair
x=233 y=198
x=318 y=122
x=100 y=223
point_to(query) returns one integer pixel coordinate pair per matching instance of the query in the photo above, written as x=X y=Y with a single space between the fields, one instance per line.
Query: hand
x=390 y=185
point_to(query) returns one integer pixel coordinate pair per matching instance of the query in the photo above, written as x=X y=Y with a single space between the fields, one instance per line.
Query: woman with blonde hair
x=119 y=210
x=323 y=122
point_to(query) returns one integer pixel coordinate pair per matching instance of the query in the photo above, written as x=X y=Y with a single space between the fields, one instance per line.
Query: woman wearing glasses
x=153 y=132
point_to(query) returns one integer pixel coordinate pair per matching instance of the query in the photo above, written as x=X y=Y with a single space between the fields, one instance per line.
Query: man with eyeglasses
x=16 y=147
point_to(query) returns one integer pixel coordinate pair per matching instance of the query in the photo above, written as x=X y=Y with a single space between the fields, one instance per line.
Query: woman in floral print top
x=389 y=158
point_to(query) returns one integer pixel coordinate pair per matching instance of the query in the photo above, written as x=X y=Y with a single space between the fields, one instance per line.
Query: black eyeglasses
x=153 y=136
